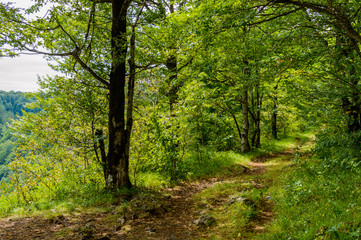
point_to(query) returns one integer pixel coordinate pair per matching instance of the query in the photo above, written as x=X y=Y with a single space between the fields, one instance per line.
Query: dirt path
x=174 y=219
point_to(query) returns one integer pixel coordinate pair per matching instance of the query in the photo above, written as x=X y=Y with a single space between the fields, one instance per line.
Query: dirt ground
x=175 y=221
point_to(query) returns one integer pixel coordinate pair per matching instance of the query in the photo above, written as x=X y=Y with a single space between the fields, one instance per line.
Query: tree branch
x=275 y=17
x=124 y=7
x=69 y=36
x=87 y=68
x=343 y=22
x=48 y=53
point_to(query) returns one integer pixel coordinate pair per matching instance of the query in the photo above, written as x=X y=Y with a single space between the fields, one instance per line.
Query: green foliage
x=316 y=205
x=187 y=122
x=54 y=157
x=89 y=197
x=12 y=106
x=6 y=153
x=339 y=150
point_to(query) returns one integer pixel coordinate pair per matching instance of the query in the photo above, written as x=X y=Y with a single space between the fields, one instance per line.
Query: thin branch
x=48 y=53
x=91 y=20
x=275 y=17
x=138 y=15
x=186 y=64
x=343 y=22
x=69 y=36
x=125 y=7
x=87 y=68
x=355 y=14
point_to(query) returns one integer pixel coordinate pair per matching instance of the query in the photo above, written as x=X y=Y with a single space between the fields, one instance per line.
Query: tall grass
x=314 y=204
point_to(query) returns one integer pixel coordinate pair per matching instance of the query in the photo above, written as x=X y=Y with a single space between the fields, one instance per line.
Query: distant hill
x=12 y=105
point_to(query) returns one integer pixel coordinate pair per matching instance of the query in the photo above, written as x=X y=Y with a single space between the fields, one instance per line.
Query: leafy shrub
x=338 y=149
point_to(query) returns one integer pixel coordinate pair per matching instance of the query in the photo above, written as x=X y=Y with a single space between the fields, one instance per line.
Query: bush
x=338 y=149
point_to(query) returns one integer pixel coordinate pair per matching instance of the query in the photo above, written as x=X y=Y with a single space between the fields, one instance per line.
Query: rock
x=150 y=230
x=87 y=231
x=236 y=199
x=201 y=212
x=143 y=206
x=120 y=223
x=57 y=220
x=121 y=220
x=239 y=199
x=205 y=221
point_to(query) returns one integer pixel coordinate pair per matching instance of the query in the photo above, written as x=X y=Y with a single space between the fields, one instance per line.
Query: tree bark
x=256 y=100
x=245 y=123
x=101 y=146
x=119 y=135
x=274 y=115
x=172 y=65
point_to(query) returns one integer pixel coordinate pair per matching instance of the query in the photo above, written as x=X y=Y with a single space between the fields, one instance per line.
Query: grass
x=310 y=202
x=92 y=197
x=315 y=205
x=236 y=221
x=13 y=204
x=214 y=162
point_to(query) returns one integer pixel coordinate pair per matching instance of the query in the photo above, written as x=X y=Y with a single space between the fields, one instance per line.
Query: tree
x=80 y=33
x=340 y=18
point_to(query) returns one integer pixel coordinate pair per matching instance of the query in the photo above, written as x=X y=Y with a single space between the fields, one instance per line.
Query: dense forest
x=151 y=94
x=12 y=105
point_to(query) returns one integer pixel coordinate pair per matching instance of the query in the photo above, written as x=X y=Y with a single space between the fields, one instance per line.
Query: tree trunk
x=237 y=125
x=172 y=65
x=119 y=135
x=274 y=115
x=257 y=142
x=245 y=123
x=256 y=100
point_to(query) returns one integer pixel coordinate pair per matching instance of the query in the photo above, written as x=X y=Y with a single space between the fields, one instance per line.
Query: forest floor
x=179 y=212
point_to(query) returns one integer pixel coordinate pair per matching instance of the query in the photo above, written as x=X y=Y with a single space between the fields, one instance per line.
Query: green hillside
x=12 y=105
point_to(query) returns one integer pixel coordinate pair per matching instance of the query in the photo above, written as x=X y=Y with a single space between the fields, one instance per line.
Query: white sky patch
x=21 y=73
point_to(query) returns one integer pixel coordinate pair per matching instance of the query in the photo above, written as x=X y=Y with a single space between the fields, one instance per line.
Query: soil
x=175 y=219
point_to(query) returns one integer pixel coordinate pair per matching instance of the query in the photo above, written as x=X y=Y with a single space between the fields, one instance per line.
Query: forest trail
x=172 y=214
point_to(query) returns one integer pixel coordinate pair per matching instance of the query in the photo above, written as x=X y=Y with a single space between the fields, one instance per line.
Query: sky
x=21 y=73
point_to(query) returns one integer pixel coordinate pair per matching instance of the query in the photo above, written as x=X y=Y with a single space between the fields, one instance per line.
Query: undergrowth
x=318 y=198
x=77 y=197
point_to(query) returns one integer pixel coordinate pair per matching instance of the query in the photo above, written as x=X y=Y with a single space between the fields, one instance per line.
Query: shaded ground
x=171 y=215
